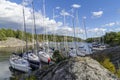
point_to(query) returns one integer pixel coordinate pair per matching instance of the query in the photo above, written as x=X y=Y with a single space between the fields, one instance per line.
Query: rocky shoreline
x=78 y=68
x=13 y=42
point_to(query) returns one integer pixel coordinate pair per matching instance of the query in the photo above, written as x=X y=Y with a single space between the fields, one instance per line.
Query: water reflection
x=4 y=70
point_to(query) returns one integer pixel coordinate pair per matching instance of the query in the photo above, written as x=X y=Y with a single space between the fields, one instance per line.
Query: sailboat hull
x=20 y=67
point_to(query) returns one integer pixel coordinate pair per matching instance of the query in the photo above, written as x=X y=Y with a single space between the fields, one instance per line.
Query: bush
x=118 y=73
x=57 y=57
x=109 y=65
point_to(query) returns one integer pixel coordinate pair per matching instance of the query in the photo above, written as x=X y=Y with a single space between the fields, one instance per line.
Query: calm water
x=4 y=70
x=6 y=74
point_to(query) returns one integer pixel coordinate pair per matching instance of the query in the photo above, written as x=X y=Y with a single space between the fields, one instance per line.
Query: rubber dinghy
x=18 y=63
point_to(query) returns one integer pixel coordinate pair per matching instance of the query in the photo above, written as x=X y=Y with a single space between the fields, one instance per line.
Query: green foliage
x=4 y=33
x=18 y=34
x=111 y=38
x=57 y=57
x=104 y=60
x=118 y=73
x=109 y=65
x=89 y=40
x=31 y=78
x=10 y=33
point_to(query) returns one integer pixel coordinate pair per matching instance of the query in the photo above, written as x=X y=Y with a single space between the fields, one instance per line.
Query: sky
x=100 y=16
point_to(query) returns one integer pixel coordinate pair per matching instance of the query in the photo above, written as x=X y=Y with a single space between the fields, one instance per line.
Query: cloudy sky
x=100 y=16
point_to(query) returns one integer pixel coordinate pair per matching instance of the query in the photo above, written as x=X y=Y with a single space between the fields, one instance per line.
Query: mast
x=35 y=30
x=44 y=15
x=74 y=32
x=43 y=8
x=65 y=36
x=44 y=20
x=103 y=38
x=24 y=24
x=54 y=36
x=77 y=25
x=33 y=34
x=84 y=26
x=64 y=26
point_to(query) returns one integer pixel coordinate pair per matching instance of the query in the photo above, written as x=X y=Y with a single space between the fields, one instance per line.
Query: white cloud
x=84 y=17
x=79 y=30
x=94 y=30
x=111 y=24
x=11 y=15
x=57 y=7
x=76 y=6
x=64 y=13
x=97 y=14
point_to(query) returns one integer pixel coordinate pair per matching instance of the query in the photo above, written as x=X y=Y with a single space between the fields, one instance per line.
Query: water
x=6 y=74
x=85 y=46
x=4 y=70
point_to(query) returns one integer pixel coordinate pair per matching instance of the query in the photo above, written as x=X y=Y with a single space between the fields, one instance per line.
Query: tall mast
x=24 y=24
x=54 y=36
x=77 y=24
x=65 y=36
x=33 y=31
x=43 y=13
x=84 y=25
x=44 y=20
x=35 y=28
x=74 y=32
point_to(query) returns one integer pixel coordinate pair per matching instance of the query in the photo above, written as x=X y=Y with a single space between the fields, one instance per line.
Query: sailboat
x=19 y=63
x=27 y=60
x=74 y=51
x=43 y=53
x=32 y=58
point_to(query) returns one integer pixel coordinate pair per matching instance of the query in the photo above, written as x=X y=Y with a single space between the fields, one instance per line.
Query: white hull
x=31 y=56
x=97 y=48
x=19 y=66
x=44 y=57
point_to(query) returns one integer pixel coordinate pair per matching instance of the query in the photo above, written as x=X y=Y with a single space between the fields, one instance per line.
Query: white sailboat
x=18 y=63
x=44 y=53
x=30 y=56
x=44 y=57
x=25 y=60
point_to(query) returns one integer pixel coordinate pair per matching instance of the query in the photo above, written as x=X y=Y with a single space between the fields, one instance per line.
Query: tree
x=2 y=34
x=19 y=34
x=9 y=33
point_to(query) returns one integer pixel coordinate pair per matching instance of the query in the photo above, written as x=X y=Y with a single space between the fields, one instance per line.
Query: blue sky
x=101 y=15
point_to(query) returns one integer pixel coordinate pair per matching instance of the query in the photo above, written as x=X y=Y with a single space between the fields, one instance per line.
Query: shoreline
x=13 y=42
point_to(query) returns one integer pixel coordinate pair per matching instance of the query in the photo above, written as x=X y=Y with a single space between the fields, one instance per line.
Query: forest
x=4 y=33
x=111 y=38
